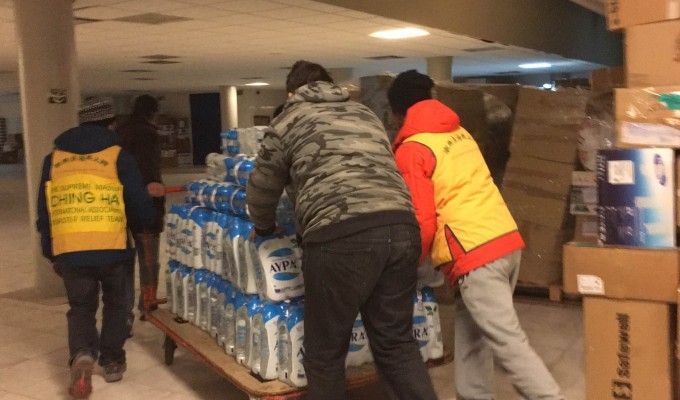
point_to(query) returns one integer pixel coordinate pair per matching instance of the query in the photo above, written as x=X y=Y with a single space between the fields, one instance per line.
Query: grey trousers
x=487 y=329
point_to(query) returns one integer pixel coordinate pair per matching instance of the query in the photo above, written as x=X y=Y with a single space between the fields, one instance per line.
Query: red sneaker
x=81 y=377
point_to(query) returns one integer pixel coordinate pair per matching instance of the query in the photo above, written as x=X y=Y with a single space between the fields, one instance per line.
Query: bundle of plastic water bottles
x=248 y=295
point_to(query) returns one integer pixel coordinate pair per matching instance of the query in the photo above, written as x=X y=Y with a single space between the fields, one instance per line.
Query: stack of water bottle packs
x=248 y=295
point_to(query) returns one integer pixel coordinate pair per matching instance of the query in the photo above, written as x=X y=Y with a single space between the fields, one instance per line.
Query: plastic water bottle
x=253 y=353
x=421 y=330
x=238 y=203
x=229 y=260
x=189 y=285
x=222 y=196
x=199 y=218
x=291 y=349
x=435 y=346
x=237 y=241
x=221 y=222
x=228 y=335
x=182 y=252
x=233 y=146
x=224 y=141
x=242 y=170
x=359 y=351
x=279 y=272
x=171 y=219
x=217 y=299
x=177 y=294
x=265 y=321
x=203 y=298
x=208 y=240
x=242 y=328
x=169 y=271
x=247 y=276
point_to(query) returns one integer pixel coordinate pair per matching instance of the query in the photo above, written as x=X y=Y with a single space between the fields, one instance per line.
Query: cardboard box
x=469 y=105
x=629 y=349
x=537 y=191
x=547 y=124
x=621 y=272
x=647 y=117
x=585 y=229
x=627 y=13
x=542 y=257
x=636 y=197
x=374 y=96
x=652 y=55
x=607 y=79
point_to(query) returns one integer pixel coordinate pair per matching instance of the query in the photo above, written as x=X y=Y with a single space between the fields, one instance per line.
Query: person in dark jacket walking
x=139 y=137
x=360 y=237
x=89 y=190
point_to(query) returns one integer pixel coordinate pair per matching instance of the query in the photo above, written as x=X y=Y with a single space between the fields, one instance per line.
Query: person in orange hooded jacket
x=469 y=234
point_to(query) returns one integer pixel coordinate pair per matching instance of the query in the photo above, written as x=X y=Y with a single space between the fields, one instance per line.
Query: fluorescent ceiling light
x=535 y=65
x=547 y=86
x=402 y=33
x=257 y=84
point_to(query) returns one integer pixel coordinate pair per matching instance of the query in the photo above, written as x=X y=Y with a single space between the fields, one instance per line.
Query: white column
x=440 y=68
x=47 y=62
x=229 y=107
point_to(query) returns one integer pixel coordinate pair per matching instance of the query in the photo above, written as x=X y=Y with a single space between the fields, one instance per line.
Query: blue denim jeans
x=82 y=288
x=373 y=271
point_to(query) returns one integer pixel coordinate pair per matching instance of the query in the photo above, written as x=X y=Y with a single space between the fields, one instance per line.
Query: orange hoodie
x=464 y=222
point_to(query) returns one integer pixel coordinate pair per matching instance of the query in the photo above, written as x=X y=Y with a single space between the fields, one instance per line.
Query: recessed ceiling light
x=257 y=84
x=402 y=33
x=537 y=65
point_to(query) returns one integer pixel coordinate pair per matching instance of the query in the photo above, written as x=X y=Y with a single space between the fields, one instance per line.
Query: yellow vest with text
x=474 y=226
x=85 y=202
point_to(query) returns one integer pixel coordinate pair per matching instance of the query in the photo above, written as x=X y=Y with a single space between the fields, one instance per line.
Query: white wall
x=258 y=102
x=175 y=105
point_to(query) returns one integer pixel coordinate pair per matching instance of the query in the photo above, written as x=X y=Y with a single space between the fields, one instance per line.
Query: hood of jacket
x=319 y=92
x=427 y=116
x=86 y=139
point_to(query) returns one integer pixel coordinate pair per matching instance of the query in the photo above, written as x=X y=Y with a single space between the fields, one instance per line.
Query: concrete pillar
x=47 y=72
x=229 y=107
x=341 y=75
x=440 y=68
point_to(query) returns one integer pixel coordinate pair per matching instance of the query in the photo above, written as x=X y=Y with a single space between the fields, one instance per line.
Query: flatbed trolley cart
x=203 y=346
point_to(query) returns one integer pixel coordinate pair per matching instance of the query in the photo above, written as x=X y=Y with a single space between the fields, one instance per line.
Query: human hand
x=155 y=189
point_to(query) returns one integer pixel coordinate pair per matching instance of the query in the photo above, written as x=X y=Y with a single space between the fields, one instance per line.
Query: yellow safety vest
x=85 y=202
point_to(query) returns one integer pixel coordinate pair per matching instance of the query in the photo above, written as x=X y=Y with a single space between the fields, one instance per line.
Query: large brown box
x=607 y=79
x=652 y=54
x=547 y=124
x=542 y=256
x=627 y=13
x=629 y=349
x=622 y=272
x=537 y=191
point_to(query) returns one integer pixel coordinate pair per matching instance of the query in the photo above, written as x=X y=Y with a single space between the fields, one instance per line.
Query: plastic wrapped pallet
x=374 y=96
x=648 y=117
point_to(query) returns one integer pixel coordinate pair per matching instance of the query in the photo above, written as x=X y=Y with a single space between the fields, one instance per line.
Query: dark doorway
x=206 y=125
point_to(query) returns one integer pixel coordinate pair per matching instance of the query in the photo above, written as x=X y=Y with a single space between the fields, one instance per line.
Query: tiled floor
x=33 y=350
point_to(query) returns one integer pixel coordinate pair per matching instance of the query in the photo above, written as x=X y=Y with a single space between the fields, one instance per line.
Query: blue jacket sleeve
x=138 y=203
x=43 y=222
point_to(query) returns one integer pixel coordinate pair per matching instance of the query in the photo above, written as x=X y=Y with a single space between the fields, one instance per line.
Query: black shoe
x=114 y=372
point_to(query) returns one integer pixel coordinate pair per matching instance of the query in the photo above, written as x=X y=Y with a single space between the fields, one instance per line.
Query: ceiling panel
x=225 y=40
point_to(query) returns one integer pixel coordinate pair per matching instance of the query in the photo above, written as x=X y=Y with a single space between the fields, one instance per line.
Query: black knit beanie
x=407 y=89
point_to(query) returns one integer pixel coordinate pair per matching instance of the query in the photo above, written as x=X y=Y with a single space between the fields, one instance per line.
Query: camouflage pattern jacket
x=334 y=159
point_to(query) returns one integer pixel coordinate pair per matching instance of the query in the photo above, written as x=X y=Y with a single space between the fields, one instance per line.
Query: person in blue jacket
x=89 y=191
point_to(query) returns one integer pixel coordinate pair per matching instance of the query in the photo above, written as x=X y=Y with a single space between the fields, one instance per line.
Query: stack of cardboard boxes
x=630 y=277
x=537 y=181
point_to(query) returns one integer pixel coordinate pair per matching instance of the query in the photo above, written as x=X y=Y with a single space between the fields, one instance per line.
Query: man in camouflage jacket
x=360 y=238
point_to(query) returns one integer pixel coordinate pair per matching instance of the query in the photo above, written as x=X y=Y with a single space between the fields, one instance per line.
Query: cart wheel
x=169 y=345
